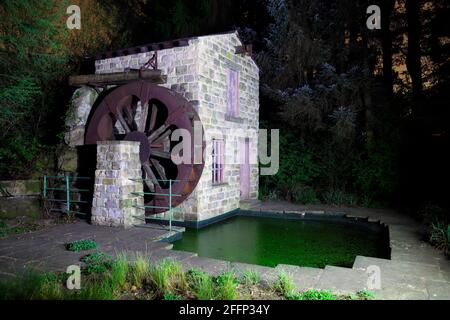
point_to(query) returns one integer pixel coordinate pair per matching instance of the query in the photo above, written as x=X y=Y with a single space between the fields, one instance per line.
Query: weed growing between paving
x=21 y=227
x=105 y=278
x=81 y=245
x=251 y=277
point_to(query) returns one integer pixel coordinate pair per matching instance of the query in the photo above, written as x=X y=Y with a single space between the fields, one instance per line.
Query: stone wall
x=216 y=57
x=199 y=73
x=113 y=203
x=20 y=198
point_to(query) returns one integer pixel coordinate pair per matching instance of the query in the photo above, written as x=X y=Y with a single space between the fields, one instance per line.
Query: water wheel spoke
x=161 y=138
x=123 y=123
x=159 y=169
x=143 y=120
x=150 y=179
x=161 y=154
x=153 y=118
x=156 y=133
x=129 y=113
x=166 y=145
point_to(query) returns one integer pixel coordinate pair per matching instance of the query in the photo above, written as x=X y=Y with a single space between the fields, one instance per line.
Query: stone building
x=222 y=82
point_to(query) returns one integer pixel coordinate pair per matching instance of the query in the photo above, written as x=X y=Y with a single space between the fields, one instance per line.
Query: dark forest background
x=364 y=114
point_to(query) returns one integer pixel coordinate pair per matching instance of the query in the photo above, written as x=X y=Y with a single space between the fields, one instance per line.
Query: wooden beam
x=154 y=76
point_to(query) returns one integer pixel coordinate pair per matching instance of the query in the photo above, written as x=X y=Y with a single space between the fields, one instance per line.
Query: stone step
x=304 y=278
x=134 y=246
x=342 y=280
x=268 y=275
x=211 y=266
x=400 y=271
x=158 y=255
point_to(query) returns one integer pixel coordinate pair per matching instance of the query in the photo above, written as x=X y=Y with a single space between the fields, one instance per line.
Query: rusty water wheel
x=144 y=112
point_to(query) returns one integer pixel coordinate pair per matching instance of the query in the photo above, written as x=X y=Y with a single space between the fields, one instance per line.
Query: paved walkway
x=416 y=270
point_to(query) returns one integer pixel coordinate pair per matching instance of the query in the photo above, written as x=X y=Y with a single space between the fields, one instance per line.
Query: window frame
x=218 y=163
x=233 y=111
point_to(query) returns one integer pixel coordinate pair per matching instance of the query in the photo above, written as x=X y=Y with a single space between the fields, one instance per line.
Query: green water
x=270 y=241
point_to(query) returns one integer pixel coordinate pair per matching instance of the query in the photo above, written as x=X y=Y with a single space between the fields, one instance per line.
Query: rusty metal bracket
x=152 y=62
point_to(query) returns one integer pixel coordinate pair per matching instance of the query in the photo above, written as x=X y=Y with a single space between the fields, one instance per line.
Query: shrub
x=431 y=213
x=201 y=285
x=337 y=197
x=227 y=286
x=440 y=236
x=297 y=166
x=376 y=175
x=97 y=262
x=81 y=245
x=304 y=195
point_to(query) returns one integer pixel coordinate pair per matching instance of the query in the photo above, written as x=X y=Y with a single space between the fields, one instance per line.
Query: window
x=217 y=160
x=233 y=93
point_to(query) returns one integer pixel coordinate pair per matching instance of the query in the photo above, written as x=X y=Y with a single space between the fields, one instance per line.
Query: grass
x=119 y=270
x=106 y=279
x=81 y=245
x=365 y=295
x=227 y=286
x=284 y=285
x=140 y=271
x=251 y=278
x=171 y=296
x=315 y=295
x=168 y=276
x=201 y=284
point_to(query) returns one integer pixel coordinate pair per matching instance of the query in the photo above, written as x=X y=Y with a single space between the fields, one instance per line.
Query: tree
x=413 y=58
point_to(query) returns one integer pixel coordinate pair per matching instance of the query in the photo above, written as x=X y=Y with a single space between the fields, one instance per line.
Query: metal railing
x=170 y=208
x=49 y=189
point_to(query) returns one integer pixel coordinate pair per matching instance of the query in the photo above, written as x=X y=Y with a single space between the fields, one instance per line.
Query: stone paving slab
x=268 y=275
x=208 y=265
x=304 y=278
x=400 y=271
x=157 y=256
x=402 y=291
x=342 y=280
x=46 y=249
x=438 y=290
